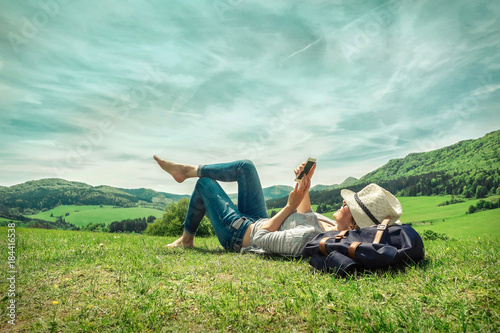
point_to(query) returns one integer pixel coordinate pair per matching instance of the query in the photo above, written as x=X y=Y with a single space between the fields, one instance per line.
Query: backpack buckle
x=341 y=234
x=381 y=226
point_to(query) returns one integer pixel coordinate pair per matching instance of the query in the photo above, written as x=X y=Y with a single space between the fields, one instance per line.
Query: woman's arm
x=305 y=204
x=294 y=200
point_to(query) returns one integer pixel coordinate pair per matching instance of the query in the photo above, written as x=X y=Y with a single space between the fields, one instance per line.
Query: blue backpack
x=342 y=252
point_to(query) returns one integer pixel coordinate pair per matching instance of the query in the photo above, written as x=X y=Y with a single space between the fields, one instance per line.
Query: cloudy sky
x=90 y=91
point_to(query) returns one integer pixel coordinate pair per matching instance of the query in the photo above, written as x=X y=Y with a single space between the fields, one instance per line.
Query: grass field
x=451 y=219
x=67 y=282
x=83 y=215
x=6 y=220
x=425 y=214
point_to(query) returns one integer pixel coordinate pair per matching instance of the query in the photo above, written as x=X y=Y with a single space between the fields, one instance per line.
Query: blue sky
x=89 y=92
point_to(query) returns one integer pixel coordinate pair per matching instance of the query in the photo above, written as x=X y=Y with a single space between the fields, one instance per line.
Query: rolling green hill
x=457 y=169
x=149 y=195
x=479 y=154
x=270 y=193
x=34 y=196
x=468 y=168
x=51 y=192
x=348 y=182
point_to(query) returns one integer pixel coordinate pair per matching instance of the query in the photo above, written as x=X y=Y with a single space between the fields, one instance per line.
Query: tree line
x=473 y=183
x=137 y=225
x=34 y=201
x=483 y=205
x=170 y=224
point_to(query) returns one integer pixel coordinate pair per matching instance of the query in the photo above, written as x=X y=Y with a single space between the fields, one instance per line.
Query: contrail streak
x=305 y=48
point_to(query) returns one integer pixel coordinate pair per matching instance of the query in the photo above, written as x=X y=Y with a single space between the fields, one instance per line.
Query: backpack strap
x=378 y=236
x=380 y=230
x=354 y=245
x=352 y=250
x=322 y=242
x=322 y=247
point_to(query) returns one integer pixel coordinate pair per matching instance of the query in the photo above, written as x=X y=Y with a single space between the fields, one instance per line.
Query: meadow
x=74 y=281
x=424 y=213
x=70 y=281
x=83 y=215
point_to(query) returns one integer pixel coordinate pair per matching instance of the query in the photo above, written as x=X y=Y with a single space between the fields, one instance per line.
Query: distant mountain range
x=36 y=195
x=346 y=183
x=470 y=168
x=280 y=191
x=456 y=169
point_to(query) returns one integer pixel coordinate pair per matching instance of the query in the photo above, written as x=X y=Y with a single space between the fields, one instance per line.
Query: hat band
x=366 y=210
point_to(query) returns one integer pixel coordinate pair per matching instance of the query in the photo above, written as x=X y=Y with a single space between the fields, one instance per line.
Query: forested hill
x=479 y=154
x=150 y=195
x=35 y=195
x=470 y=168
x=44 y=194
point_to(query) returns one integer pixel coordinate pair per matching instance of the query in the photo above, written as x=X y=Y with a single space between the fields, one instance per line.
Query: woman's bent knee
x=204 y=182
x=207 y=187
x=247 y=164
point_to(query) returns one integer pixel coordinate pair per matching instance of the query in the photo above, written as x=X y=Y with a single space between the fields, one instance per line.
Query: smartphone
x=309 y=164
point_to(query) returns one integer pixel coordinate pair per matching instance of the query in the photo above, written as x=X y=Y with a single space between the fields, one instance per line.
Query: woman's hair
x=353 y=225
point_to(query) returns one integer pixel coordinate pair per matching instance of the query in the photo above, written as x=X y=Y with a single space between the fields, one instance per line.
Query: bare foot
x=184 y=241
x=178 y=171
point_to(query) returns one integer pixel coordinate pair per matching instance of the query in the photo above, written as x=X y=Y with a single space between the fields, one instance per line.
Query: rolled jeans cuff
x=189 y=232
x=198 y=171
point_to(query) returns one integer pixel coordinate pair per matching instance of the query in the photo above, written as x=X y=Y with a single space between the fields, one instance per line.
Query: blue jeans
x=229 y=222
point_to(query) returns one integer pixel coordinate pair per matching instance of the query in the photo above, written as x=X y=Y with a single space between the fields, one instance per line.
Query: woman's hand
x=300 y=190
x=296 y=202
x=301 y=167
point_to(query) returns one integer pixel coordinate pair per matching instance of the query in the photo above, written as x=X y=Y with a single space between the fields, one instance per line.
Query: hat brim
x=361 y=219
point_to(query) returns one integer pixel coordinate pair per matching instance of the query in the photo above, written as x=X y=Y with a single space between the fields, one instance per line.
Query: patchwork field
x=5 y=220
x=83 y=215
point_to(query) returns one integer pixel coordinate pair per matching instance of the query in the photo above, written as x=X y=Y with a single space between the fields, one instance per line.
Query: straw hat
x=372 y=205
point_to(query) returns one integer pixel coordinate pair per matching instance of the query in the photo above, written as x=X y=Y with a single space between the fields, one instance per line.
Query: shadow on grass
x=360 y=272
x=277 y=257
x=204 y=250
x=355 y=273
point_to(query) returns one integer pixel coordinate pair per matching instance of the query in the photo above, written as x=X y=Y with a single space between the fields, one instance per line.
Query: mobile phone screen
x=309 y=164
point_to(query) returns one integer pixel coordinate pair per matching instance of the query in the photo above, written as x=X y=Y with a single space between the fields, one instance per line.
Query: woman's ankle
x=191 y=171
x=187 y=240
x=179 y=172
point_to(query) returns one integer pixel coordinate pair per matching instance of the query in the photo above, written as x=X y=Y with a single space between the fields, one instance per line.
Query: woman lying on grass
x=248 y=227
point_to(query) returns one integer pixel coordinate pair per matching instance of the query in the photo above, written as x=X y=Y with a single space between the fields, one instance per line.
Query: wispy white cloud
x=49 y=143
x=94 y=93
